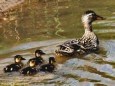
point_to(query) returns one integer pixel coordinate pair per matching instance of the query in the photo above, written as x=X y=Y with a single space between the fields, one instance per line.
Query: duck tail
x=5 y=70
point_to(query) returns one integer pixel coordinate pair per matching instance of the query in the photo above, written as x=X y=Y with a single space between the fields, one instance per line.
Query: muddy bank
x=6 y=4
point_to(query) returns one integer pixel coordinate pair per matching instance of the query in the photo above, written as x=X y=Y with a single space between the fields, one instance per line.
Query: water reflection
x=48 y=19
x=56 y=18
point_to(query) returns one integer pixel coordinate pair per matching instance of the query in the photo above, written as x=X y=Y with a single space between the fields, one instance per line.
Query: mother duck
x=87 y=43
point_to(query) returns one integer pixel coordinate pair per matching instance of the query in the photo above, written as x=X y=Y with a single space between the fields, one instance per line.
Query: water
x=44 y=24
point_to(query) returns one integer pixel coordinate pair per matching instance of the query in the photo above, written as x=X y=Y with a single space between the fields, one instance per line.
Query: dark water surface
x=44 y=24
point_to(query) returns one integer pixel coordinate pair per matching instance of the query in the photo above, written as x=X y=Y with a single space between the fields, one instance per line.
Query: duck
x=50 y=67
x=31 y=70
x=38 y=57
x=88 y=43
x=15 y=66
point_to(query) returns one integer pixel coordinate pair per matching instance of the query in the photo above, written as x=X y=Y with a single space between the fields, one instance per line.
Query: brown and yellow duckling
x=31 y=69
x=50 y=67
x=38 y=57
x=15 y=66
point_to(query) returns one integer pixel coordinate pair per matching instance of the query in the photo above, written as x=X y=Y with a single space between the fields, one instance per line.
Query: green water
x=52 y=19
x=44 y=24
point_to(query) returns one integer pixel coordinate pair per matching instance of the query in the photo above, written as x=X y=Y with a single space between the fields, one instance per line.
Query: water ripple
x=89 y=70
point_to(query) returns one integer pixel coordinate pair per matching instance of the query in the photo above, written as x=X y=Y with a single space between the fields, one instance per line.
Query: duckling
x=87 y=43
x=48 y=67
x=15 y=66
x=38 y=58
x=31 y=69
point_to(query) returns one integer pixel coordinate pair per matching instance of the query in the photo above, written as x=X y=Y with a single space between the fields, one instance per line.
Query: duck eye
x=93 y=14
x=90 y=15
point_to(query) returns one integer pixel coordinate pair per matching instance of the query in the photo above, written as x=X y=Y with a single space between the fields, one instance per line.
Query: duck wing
x=25 y=70
x=83 y=45
x=12 y=67
x=68 y=47
x=47 y=68
x=29 y=71
x=88 y=43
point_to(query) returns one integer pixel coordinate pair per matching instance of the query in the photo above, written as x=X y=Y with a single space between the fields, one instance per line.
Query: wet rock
x=6 y=4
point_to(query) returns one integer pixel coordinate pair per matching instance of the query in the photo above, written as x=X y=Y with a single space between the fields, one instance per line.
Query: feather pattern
x=88 y=42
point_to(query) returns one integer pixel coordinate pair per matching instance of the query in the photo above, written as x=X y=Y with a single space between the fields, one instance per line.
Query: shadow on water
x=44 y=24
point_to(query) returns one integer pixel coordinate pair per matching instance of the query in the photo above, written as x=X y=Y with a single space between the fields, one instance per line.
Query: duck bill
x=100 y=17
x=23 y=59
x=43 y=53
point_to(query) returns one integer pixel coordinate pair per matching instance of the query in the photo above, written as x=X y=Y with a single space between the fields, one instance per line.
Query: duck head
x=90 y=16
x=18 y=58
x=51 y=60
x=32 y=63
x=38 y=53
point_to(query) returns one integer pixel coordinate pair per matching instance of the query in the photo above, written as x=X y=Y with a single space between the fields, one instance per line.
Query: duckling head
x=90 y=16
x=51 y=60
x=32 y=63
x=18 y=58
x=38 y=53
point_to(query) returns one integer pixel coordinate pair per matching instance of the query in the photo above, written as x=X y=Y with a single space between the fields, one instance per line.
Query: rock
x=6 y=4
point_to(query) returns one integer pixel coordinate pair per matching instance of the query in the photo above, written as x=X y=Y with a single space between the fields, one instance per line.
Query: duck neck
x=38 y=56
x=17 y=62
x=50 y=61
x=31 y=66
x=87 y=27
